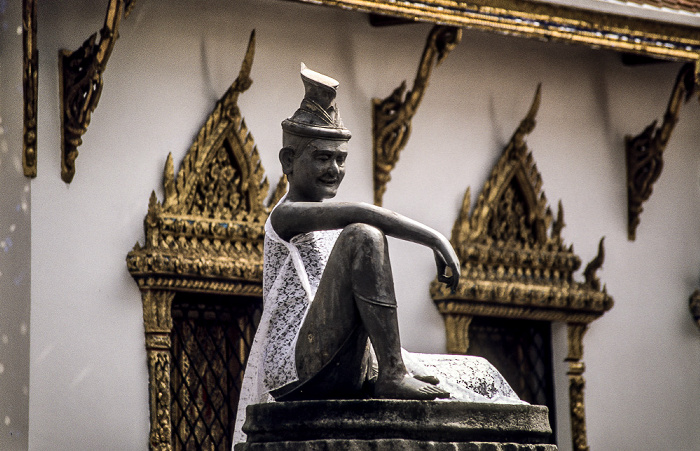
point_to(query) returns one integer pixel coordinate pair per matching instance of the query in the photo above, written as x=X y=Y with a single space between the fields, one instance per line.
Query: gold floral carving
x=159 y=400
x=645 y=151
x=544 y=21
x=30 y=86
x=205 y=237
x=516 y=265
x=81 y=83
x=391 y=117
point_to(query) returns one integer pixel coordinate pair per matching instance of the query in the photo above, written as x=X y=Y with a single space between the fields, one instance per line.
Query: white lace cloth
x=465 y=377
x=292 y=272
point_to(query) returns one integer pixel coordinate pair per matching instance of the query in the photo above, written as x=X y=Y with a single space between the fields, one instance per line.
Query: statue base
x=389 y=425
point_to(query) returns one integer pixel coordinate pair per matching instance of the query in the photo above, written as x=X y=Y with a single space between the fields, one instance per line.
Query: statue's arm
x=293 y=218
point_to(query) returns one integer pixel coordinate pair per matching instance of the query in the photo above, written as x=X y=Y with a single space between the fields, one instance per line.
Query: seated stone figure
x=329 y=327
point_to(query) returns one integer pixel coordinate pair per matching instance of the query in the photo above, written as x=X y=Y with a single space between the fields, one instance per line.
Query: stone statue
x=329 y=328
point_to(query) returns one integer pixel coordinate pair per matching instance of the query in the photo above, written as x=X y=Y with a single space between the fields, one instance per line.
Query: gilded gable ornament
x=81 y=82
x=207 y=233
x=511 y=248
x=516 y=265
x=644 y=152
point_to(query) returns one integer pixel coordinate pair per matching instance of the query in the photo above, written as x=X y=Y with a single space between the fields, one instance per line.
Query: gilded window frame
x=201 y=243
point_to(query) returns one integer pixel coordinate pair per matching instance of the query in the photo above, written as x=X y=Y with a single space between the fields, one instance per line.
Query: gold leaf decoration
x=511 y=265
x=81 y=84
x=644 y=152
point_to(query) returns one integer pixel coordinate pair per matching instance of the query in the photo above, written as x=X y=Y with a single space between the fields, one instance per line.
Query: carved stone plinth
x=389 y=425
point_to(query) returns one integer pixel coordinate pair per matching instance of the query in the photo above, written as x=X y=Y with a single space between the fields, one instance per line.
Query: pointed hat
x=317 y=116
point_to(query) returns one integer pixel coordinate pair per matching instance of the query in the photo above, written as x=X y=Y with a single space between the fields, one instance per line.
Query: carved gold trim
x=207 y=233
x=205 y=237
x=577 y=383
x=391 y=117
x=546 y=21
x=457 y=327
x=194 y=285
x=81 y=84
x=30 y=83
x=158 y=323
x=513 y=268
x=509 y=264
x=645 y=151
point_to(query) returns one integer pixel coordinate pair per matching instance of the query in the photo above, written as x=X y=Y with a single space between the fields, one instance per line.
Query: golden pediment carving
x=514 y=261
x=207 y=233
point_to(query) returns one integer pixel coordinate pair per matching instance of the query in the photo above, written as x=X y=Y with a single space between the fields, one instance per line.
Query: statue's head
x=315 y=140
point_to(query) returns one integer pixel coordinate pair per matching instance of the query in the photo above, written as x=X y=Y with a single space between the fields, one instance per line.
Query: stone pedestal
x=392 y=425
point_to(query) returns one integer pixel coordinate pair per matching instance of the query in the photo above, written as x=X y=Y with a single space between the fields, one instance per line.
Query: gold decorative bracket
x=645 y=151
x=391 y=117
x=81 y=83
x=30 y=86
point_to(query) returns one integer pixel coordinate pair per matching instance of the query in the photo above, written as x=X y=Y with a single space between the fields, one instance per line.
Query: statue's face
x=318 y=170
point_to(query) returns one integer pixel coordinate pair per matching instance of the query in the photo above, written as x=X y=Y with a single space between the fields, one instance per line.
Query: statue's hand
x=451 y=262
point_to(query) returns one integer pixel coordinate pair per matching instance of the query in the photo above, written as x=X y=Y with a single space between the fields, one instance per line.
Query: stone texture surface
x=388 y=425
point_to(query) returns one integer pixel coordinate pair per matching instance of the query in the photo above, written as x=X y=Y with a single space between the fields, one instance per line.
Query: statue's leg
x=332 y=342
x=356 y=296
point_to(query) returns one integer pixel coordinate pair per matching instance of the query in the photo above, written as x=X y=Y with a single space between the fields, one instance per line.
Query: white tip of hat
x=317 y=77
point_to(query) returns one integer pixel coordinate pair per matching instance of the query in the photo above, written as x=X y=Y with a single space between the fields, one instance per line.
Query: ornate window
x=522 y=353
x=516 y=274
x=200 y=275
x=211 y=338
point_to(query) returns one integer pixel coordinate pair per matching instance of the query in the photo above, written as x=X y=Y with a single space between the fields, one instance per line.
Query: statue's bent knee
x=360 y=234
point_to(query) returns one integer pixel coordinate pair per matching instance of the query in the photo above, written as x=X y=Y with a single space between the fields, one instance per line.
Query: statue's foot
x=408 y=387
x=427 y=378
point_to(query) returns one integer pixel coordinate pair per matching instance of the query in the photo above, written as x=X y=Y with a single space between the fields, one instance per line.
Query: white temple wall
x=14 y=240
x=88 y=381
